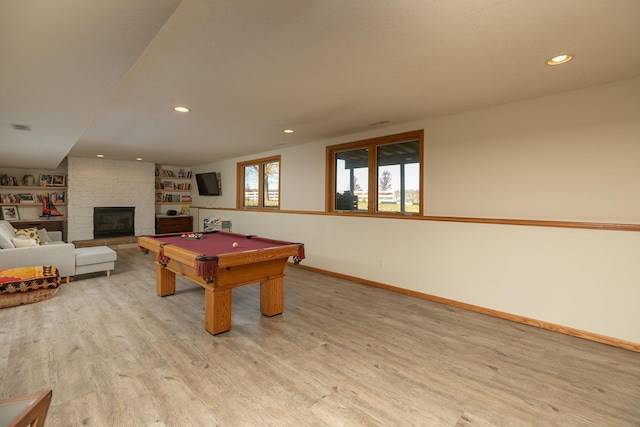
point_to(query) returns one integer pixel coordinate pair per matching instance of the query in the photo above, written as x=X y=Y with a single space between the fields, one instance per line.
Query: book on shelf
x=25 y=198
x=168 y=173
x=8 y=198
x=8 y=180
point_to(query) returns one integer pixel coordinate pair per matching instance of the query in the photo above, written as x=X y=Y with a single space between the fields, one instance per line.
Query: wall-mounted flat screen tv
x=208 y=184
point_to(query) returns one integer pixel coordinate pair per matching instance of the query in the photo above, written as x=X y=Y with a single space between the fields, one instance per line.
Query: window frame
x=240 y=183
x=371 y=144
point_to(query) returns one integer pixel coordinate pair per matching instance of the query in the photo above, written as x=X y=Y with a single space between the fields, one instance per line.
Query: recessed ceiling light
x=100 y=155
x=138 y=158
x=180 y=109
x=560 y=59
x=288 y=131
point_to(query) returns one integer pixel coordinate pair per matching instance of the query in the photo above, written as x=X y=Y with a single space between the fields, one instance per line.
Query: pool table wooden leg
x=271 y=302
x=217 y=310
x=165 y=281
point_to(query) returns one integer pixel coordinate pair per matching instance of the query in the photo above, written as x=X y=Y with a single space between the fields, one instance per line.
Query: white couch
x=54 y=252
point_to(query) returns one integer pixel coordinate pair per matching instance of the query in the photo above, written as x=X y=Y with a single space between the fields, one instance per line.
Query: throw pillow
x=19 y=242
x=31 y=233
x=44 y=236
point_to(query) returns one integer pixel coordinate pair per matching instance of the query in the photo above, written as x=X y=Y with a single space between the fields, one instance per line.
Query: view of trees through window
x=395 y=184
x=260 y=183
x=399 y=177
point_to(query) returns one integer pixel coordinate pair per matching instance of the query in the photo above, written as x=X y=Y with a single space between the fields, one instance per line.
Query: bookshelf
x=173 y=189
x=22 y=192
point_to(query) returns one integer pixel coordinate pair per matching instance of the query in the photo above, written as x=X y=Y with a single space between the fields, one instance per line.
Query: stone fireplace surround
x=103 y=182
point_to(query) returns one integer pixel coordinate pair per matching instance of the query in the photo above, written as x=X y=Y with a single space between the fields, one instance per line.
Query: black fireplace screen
x=113 y=222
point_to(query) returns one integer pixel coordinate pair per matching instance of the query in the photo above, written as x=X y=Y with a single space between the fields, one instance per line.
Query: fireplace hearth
x=113 y=221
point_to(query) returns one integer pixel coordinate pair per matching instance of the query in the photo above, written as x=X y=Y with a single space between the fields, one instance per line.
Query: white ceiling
x=102 y=77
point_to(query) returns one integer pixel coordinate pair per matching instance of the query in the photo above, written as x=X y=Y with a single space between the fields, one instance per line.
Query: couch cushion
x=94 y=255
x=23 y=242
x=31 y=233
x=44 y=236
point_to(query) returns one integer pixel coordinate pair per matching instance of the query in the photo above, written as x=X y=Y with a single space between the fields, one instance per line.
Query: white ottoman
x=95 y=258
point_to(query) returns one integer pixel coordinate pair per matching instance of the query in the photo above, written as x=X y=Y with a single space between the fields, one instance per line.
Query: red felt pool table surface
x=215 y=264
x=220 y=242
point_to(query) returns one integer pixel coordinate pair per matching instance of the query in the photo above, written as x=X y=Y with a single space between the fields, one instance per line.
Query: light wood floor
x=342 y=354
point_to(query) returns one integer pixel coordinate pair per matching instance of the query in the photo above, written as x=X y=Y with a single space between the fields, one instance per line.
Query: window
x=259 y=184
x=376 y=176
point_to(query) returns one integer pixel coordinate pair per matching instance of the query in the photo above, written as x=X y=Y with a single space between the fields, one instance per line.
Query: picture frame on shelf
x=46 y=180
x=10 y=213
x=58 y=180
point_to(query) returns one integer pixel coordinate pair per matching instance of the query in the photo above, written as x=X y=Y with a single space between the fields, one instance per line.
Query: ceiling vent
x=17 y=126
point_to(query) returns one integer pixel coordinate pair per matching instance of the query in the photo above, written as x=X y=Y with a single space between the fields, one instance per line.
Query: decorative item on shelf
x=8 y=180
x=46 y=180
x=172 y=212
x=10 y=212
x=48 y=209
x=184 y=210
x=58 y=180
x=28 y=180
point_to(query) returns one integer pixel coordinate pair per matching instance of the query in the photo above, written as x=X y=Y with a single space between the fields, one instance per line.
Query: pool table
x=219 y=261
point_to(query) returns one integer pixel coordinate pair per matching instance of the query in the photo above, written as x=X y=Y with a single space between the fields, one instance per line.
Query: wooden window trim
x=371 y=144
x=240 y=183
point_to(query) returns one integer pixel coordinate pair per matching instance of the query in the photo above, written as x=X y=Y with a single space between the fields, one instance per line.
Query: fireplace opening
x=113 y=222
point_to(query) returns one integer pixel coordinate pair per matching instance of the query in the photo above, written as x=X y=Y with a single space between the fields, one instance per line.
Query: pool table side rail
x=259 y=255
x=207 y=265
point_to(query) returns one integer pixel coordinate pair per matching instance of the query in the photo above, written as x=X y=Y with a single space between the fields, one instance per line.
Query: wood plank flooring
x=342 y=354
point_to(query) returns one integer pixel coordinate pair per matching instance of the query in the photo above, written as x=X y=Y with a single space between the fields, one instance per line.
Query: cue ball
x=235 y=244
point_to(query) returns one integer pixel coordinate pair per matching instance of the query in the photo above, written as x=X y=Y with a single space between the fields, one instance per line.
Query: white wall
x=572 y=156
x=104 y=182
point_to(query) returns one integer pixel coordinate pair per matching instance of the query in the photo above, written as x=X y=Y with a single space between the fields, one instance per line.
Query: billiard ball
x=235 y=244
